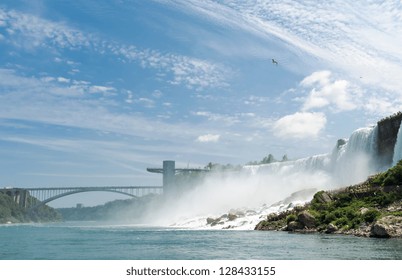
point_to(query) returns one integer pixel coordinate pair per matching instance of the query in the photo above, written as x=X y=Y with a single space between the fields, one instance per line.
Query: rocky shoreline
x=385 y=227
x=370 y=209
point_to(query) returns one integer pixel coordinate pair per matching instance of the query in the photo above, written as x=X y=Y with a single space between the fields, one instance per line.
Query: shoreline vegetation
x=369 y=209
x=12 y=213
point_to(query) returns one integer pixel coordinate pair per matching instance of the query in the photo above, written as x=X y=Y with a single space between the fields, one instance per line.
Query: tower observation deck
x=169 y=171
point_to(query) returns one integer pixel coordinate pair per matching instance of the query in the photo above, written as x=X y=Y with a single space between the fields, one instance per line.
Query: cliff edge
x=387 y=135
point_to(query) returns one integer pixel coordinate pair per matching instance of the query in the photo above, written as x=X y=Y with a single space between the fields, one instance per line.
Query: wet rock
x=229 y=227
x=388 y=226
x=331 y=228
x=306 y=219
x=210 y=220
x=272 y=217
x=340 y=143
x=363 y=210
x=294 y=225
x=214 y=222
x=232 y=217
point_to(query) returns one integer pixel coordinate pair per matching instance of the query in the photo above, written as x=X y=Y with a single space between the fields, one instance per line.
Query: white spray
x=240 y=200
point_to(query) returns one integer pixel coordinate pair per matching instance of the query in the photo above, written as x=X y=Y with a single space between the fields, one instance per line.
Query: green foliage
x=344 y=207
x=341 y=222
x=343 y=199
x=124 y=209
x=267 y=160
x=396 y=213
x=290 y=218
x=11 y=211
x=371 y=215
x=391 y=177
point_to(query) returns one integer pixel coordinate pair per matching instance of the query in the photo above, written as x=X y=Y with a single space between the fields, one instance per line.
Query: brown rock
x=306 y=219
x=232 y=217
x=331 y=228
x=388 y=226
x=363 y=210
x=294 y=225
x=323 y=197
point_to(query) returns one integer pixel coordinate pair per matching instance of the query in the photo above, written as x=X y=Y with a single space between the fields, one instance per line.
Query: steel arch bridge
x=45 y=195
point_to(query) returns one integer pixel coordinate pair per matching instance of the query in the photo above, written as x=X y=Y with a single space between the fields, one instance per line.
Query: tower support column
x=168 y=176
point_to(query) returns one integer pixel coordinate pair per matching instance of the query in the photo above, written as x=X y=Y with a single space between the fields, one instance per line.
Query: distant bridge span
x=45 y=195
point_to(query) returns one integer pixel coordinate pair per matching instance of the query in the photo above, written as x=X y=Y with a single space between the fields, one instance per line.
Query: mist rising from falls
x=262 y=189
x=349 y=162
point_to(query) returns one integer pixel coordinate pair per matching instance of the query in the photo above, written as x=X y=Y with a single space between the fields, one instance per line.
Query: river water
x=97 y=241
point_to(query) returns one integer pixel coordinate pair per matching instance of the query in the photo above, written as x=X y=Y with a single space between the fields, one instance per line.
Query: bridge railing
x=45 y=195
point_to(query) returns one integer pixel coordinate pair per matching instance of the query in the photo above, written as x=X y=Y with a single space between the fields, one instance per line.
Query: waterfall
x=398 y=147
x=356 y=159
x=263 y=189
x=351 y=160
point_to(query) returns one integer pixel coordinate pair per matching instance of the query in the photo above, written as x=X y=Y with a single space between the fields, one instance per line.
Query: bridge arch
x=74 y=192
x=46 y=195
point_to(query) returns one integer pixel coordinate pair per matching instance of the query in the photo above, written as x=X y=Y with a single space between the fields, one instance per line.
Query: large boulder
x=214 y=222
x=294 y=225
x=388 y=226
x=232 y=217
x=363 y=210
x=323 y=197
x=331 y=228
x=306 y=219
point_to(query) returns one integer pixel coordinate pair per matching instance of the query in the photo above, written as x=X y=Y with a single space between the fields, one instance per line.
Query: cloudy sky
x=93 y=92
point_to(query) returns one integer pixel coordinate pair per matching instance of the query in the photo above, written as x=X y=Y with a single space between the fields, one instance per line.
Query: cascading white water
x=351 y=160
x=398 y=147
x=355 y=160
x=256 y=191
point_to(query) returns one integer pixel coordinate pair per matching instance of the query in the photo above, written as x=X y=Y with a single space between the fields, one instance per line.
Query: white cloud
x=36 y=31
x=157 y=94
x=101 y=89
x=221 y=118
x=208 y=138
x=300 y=125
x=382 y=106
x=30 y=32
x=359 y=38
x=188 y=71
x=325 y=91
x=63 y=80
x=55 y=103
x=146 y=102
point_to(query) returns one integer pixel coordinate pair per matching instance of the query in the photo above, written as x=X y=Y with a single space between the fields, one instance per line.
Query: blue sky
x=93 y=92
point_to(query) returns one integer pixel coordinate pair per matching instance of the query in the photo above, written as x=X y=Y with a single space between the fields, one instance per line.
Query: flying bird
x=274 y=62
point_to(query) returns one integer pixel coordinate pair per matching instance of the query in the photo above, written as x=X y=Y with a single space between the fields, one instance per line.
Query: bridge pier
x=19 y=196
x=169 y=172
x=168 y=176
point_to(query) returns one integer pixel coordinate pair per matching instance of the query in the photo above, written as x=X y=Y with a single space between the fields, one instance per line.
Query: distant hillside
x=123 y=210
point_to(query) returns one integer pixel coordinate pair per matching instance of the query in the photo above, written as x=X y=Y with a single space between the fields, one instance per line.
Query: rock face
x=294 y=225
x=388 y=226
x=306 y=219
x=331 y=228
x=323 y=197
x=386 y=139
